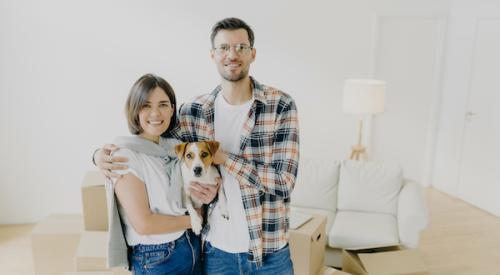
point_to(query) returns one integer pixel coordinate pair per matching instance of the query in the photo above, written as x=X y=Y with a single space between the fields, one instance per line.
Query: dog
x=196 y=159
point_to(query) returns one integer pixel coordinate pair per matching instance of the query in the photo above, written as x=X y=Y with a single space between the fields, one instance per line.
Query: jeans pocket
x=284 y=250
x=153 y=259
x=208 y=249
x=282 y=254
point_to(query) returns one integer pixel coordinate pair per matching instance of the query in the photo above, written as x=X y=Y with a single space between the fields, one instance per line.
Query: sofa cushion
x=369 y=187
x=317 y=184
x=359 y=230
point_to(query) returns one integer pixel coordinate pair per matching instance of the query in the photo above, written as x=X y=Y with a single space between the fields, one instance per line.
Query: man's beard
x=235 y=78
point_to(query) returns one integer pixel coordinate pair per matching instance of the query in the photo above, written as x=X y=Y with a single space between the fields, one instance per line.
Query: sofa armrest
x=412 y=214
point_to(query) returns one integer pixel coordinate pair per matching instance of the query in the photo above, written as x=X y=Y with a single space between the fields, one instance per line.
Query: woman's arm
x=132 y=194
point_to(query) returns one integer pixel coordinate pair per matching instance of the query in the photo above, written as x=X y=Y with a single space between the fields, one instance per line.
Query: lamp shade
x=363 y=96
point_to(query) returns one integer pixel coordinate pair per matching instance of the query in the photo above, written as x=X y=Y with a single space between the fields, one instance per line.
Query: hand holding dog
x=203 y=192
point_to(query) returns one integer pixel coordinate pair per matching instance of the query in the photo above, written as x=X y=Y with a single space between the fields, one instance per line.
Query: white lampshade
x=363 y=96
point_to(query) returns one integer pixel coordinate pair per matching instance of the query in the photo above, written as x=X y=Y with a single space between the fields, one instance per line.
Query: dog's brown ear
x=180 y=149
x=213 y=146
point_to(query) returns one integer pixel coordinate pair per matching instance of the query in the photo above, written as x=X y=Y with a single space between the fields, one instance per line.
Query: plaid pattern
x=266 y=166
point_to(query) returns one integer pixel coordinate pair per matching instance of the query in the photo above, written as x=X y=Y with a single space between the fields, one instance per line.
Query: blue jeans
x=181 y=256
x=219 y=262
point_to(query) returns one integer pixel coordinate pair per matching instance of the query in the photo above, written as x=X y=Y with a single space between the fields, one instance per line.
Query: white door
x=479 y=175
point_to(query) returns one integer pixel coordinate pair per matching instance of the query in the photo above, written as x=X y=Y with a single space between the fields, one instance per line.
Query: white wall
x=66 y=67
x=408 y=55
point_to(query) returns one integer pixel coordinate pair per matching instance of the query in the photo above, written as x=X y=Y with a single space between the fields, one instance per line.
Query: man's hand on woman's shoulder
x=106 y=162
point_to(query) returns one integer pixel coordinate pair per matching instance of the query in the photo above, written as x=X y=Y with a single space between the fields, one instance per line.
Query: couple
x=257 y=127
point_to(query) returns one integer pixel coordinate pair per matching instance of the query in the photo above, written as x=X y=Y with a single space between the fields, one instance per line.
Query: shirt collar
x=257 y=90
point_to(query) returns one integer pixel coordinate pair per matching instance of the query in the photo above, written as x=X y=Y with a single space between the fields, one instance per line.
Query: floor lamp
x=362 y=97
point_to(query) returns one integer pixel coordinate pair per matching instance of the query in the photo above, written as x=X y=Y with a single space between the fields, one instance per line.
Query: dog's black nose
x=197 y=170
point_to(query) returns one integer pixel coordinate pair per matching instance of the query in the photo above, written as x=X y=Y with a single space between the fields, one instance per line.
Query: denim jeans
x=219 y=262
x=181 y=256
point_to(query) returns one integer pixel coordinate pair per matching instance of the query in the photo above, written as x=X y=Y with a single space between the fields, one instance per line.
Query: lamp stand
x=359 y=151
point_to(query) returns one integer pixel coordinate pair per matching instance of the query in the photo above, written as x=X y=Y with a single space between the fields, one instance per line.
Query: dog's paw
x=196 y=226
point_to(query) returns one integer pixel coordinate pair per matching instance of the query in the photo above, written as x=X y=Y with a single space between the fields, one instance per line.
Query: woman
x=154 y=221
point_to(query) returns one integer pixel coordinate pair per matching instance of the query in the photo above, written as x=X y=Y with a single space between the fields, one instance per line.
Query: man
x=257 y=127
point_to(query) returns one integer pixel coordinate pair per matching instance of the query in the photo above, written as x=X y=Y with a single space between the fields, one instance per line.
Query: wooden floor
x=460 y=239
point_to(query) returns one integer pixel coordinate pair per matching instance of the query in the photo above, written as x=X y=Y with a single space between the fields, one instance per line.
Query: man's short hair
x=138 y=97
x=231 y=23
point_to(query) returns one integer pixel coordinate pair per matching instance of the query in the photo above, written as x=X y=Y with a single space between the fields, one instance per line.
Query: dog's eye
x=204 y=154
x=189 y=156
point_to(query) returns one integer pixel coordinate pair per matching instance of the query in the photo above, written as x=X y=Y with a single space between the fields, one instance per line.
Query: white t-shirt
x=151 y=171
x=230 y=235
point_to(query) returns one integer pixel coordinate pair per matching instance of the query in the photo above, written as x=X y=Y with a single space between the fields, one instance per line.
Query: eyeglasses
x=224 y=49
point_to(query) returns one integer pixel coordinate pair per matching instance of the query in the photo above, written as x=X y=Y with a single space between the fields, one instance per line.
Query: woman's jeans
x=181 y=256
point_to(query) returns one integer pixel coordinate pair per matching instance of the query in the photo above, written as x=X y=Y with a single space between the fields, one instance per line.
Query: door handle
x=469 y=115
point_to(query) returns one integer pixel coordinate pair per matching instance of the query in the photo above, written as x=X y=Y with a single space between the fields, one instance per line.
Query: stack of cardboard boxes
x=54 y=243
x=76 y=244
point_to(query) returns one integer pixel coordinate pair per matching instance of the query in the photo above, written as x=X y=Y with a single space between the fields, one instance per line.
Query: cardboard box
x=384 y=261
x=54 y=242
x=307 y=246
x=91 y=253
x=95 y=210
x=327 y=270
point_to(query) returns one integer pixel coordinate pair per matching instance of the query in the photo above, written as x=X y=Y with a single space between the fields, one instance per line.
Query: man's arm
x=106 y=163
x=278 y=177
x=104 y=160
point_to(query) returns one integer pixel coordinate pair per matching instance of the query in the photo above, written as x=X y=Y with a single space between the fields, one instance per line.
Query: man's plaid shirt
x=266 y=166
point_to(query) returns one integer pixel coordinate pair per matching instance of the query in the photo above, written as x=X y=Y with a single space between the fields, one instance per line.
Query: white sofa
x=367 y=204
